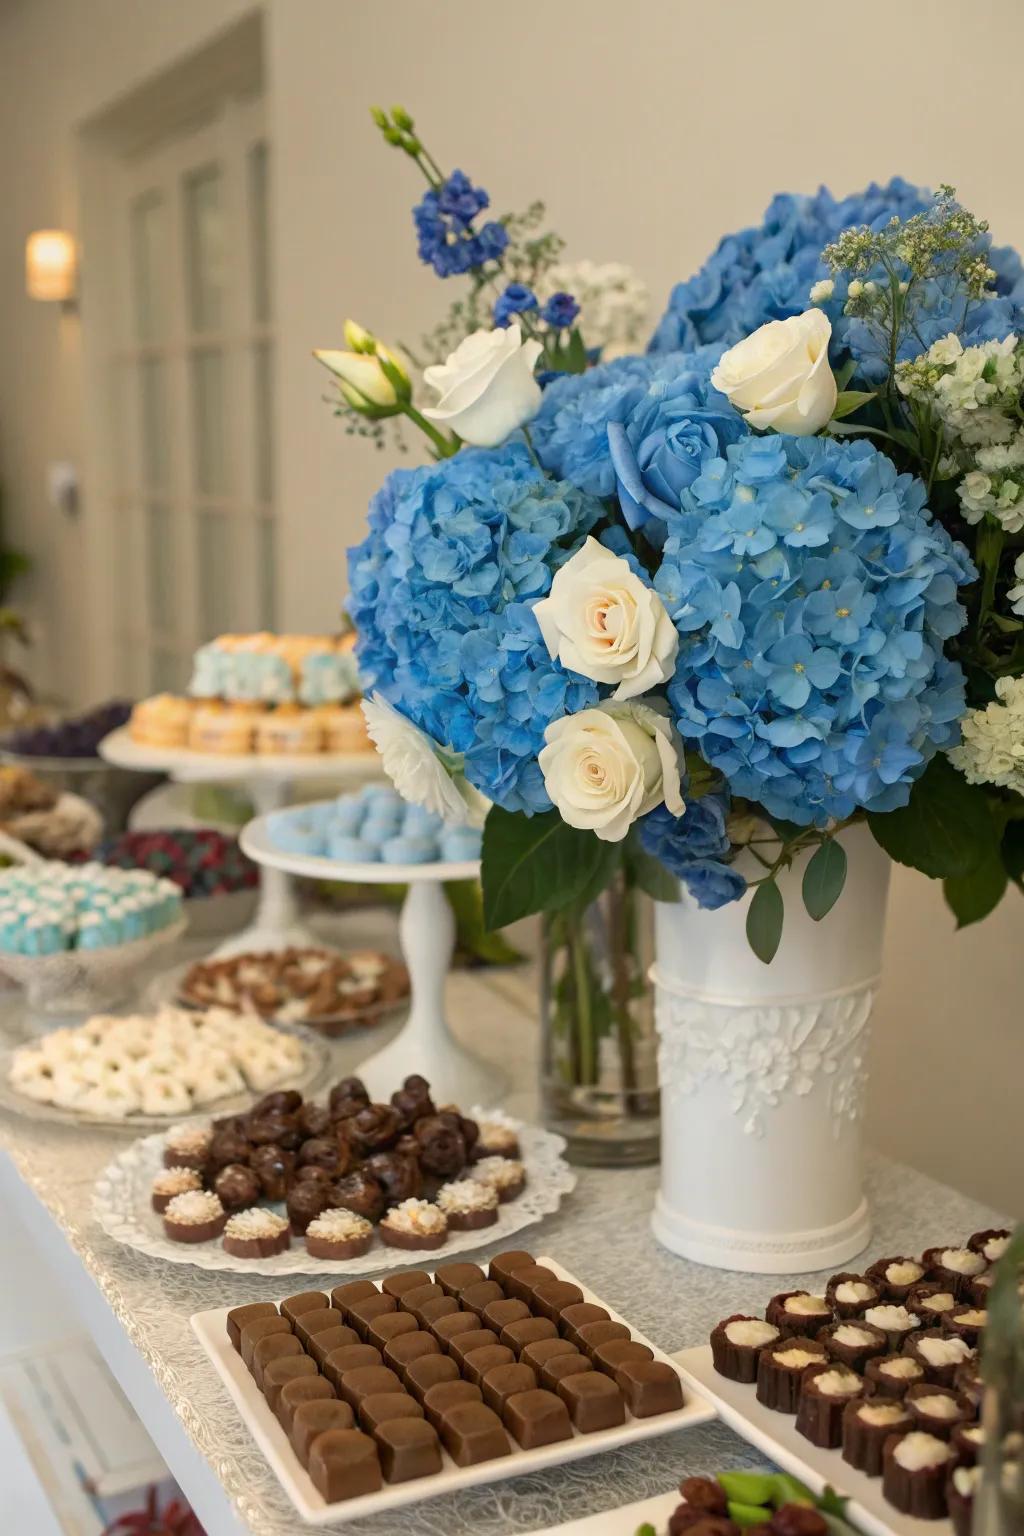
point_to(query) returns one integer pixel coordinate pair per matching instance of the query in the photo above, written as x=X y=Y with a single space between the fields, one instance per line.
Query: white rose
x=605 y=767
x=779 y=376
x=414 y=764
x=486 y=386
x=603 y=622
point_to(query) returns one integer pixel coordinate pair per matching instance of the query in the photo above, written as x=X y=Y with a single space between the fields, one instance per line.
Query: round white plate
x=120 y=749
x=256 y=841
x=121 y=1205
x=310 y=1077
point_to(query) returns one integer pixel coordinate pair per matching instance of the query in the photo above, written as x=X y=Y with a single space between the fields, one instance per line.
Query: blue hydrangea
x=517 y=299
x=813 y=593
x=442 y=594
x=560 y=311
x=570 y=431
x=766 y=273
x=446 y=237
x=694 y=847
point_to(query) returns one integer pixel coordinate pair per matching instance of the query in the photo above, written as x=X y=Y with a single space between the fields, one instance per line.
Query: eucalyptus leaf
x=824 y=879
x=764 y=921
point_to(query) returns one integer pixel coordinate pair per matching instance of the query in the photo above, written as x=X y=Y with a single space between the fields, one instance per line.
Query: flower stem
x=445 y=446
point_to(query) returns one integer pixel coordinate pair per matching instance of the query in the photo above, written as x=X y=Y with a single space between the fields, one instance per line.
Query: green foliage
x=649 y=873
x=850 y=400
x=824 y=879
x=973 y=896
x=473 y=939
x=764 y=921
x=945 y=830
x=539 y=864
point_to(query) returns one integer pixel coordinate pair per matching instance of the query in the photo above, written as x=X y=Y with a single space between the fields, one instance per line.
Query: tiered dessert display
x=378 y=838
x=377 y=1396
x=294 y=1186
x=265 y=711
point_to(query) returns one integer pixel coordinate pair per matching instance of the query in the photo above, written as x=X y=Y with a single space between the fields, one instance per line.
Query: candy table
x=138 y=1311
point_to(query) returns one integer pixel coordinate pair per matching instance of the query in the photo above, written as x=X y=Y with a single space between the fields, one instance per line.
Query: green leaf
x=538 y=863
x=945 y=830
x=747 y=1515
x=850 y=400
x=1012 y=850
x=973 y=896
x=650 y=874
x=764 y=921
x=824 y=879
x=472 y=939
x=845 y=373
x=747 y=1487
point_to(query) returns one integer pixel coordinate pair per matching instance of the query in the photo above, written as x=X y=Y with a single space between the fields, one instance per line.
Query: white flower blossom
x=1015 y=595
x=822 y=290
x=614 y=303
x=992 y=749
x=416 y=766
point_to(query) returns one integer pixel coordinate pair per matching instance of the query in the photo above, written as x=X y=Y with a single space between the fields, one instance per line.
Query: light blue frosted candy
x=409 y=850
x=419 y=822
x=377 y=829
x=379 y=793
x=294 y=832
x=346 y=817
x=353 y=850
x=459 y=844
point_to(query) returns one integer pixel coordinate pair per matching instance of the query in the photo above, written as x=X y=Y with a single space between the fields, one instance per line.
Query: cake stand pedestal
x=269 y=781
x=425 y=1044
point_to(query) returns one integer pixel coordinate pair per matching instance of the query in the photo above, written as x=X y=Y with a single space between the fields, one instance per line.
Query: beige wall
x=649 y=129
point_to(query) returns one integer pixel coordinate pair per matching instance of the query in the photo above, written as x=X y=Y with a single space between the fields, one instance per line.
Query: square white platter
x=776 y=1435
x=211 y=1330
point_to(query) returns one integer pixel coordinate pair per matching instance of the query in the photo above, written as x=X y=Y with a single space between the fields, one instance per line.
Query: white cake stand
x=268 y=780
x=427 y=932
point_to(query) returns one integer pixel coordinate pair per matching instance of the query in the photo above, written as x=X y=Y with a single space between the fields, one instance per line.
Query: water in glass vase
x=599 y=1061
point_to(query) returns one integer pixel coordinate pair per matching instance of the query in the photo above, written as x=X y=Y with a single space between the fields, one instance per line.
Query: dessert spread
x=307 y=986
x=373 y=825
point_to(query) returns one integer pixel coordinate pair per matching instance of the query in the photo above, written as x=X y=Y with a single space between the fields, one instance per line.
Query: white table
x=138 y=1310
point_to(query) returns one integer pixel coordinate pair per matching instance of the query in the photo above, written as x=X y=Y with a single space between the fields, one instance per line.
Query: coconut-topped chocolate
x=194 y=1217
x=468 y=1204
x=171 y=1182
x=187 y=1146
x=414 y=1224
x=256 y=1234
x=849 y=1294
x=498 y=1137
x=736 y=1344
x=798 y=1313
x=505 y=1175
x=914 y=1474
x=867 y=1425
x=895 y=1276
x=339 y=1234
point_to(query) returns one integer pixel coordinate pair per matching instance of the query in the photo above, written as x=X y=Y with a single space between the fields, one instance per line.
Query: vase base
x=762 y=1253
x=609 y=1144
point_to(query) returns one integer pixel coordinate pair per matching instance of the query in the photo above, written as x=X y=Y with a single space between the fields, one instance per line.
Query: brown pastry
x=442 y=1145
x=324 y=1152
x=413 y=1101
x=273 y=1166
x=227 y=1146
x=374 y=1129
x=314 y=1119
x=398 y=1175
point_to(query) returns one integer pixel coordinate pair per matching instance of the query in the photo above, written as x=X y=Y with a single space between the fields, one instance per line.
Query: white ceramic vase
x=763 y=1071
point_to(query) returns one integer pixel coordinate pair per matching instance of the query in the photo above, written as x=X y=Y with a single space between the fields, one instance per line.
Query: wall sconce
x=51 y=266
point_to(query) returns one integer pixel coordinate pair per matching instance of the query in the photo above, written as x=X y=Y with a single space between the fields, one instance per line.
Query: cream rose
x=605 y=767
x=779 y=375
x=486 y=386
x=603 y=622
x=414 y=764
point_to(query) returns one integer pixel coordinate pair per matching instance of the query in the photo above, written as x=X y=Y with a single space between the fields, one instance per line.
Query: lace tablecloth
x=601 y=1232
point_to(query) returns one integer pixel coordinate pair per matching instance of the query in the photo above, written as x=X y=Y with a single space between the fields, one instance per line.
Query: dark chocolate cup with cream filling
x=853 y=1342
x=899 y=1287
x=953 y=1278
x=850 y=1306
x=819 y=1414
x=738 y=1361
x=930 y=1300
x=784 y=1313
x=779 y=1380
x=868 y=1422
x=920 y=1490
x=961 y=1483
x=941 y=1372
x=892 y=1376
x=935 y=1410
x=967 y=1323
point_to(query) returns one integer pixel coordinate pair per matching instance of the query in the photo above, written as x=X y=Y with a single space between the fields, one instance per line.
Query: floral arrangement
x=652 y=611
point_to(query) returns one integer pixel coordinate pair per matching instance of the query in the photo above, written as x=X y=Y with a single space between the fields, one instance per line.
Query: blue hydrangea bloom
x=442 y=594
x=694 y=847
x=517 y=299
x=813 y=593
x=766 y=273
x=446 y=237
x=560 y=311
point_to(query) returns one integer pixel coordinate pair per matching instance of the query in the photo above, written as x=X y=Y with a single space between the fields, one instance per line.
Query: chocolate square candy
x=412 y=1300
x=608 y=1357
x=408 y=1448
x=409 y=1347
x=527 y=1330
x=301 y=1389
x=350 y=1357
x=314 y=1418
x=428 y=1371
x=454 y=1278
x=365 y=1381
x=260 y=1328
x=288 y=1368
x=379 y=1406
x=343 y=1464
x=323 y=1344
x=593 y=1400
x=501 y=1381
x=274 y=1347
x=574 y=1317
x=303 y=1301
x=555 y=1370
x=552 y=1298
x=504 y=1264
x=437 y=1307
x=474 y=1338
x=543 y=1350
x=360 y=1314
x=471 y=1433
x=497 y=1314
x=478 y=1362
x=480 y=1295
x=343 y=1296
x=446 y=1395
x=317 y=1320
x=239 y=1316
x=591 y=1336
x=649 y=1387
x=448 y=1328
x=390 y=1325
x=522 y=1283
x=536 y=1418
x=405 y=1280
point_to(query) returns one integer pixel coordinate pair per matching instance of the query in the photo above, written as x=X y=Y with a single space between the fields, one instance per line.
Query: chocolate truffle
x=479 y=1294
x=454 y=1279
x=403 y=1281
x=314 y=1418
x=314 y=1119
x=574 y=1317
x=398 y=1176
x=429 y=1370
x=272 y=1165
x=227 y=1147
x=350 y=1357
x=295 y=1306
x=323 y=1152
x=649 y=1386
x=474 y=1338
x=446 y=1395
x=287 y=1368
x=361 y=1193
x=408 y=1449
x=377 y=1407
x=238 y=1317
x=373 y=1129
x=504 y=1264
x=536 y=1417
x=299 y=1390
x=343 y=1296
x=307 y=1200
x=274 y=1347
x=472 y=1432
x=367 y=1381
x=322 y=1345
x=258 y=1328
x=528 y=1330
x=594 y=1401
x=402 y=1352
x=501 y=1381
x=442 y=1146
x=237 y=1187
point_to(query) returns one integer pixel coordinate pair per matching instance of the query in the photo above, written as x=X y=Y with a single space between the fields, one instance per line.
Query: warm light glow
x=50 y=265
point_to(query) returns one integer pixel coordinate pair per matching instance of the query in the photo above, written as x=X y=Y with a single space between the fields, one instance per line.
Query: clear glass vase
x=599 y=1060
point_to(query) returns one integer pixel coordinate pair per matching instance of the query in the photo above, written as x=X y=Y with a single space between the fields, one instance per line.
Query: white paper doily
x=121 y=1205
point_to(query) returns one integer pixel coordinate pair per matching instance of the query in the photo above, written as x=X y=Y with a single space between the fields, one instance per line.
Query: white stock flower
x=1015 y=595
x=605 y=767
x=779 y=375
x=486 y=386
x=602 y=621
x=822 y=290
x=614 y=302
x=992 y=749
x=414 y=764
